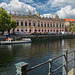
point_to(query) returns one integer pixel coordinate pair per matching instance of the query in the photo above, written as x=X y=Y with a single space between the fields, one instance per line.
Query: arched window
x=48 y=30
x=17 y=29
x=30 y=30
x=45 y=30
x=21 y=30
x=26 y=30
x=35 y=30
x=39 y=30
x=56 y=30
x=53 y=30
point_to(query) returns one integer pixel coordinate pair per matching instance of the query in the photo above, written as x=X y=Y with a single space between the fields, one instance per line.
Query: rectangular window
x=17 y=23
x=62 y=25
x=57 y=25
x=44 y=24
x=25 y=23
x=21 y=23
x=41 y=24
x=34 y=24
x=48 y=25
x=38 y=24
x=48 y=30
x=29 y=23
x=51 y=25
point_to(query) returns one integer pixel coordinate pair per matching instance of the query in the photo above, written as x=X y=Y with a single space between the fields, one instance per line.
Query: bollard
x=74 y=64
x=21 y=68
x=50 y=66
x=65 y=62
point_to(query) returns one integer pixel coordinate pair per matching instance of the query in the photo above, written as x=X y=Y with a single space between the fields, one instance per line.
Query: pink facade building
x=35 y=23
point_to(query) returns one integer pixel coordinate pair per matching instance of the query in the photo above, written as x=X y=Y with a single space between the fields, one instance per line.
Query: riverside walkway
x=70 y=72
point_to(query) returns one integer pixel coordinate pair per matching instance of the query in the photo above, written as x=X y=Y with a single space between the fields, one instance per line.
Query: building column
x=19 y=22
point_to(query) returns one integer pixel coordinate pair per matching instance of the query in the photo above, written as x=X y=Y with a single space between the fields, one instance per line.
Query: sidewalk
x=70 y=72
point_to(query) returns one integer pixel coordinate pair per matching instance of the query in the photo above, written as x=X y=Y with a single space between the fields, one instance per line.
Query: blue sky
x=63 y=8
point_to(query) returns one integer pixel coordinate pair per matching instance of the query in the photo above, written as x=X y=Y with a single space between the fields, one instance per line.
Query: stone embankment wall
x=40 y=37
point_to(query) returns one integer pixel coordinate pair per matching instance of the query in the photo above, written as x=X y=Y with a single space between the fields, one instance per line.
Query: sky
x=63 y=8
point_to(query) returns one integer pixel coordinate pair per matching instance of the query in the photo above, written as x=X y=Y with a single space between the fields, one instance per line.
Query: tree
x=3 y=15
x=6 y=23
x=71 y=27
x=13 y=25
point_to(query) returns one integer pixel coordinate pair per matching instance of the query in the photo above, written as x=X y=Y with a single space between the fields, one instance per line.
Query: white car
x=64 y=32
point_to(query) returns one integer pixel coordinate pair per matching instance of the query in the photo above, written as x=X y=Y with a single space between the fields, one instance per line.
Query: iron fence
x=22 y=66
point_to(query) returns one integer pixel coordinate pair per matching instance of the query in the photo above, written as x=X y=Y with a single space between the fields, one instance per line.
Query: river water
x=33 y=53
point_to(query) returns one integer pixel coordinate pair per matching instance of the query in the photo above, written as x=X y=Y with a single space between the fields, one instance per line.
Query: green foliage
x=6 y=23
x=71 y=27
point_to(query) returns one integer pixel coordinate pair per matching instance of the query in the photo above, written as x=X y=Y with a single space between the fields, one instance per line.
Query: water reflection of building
x=36 y=23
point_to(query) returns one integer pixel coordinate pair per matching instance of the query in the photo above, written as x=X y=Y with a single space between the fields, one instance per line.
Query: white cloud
x=62 y=3
x=16 y=6
x=48 y=15
x=28 y=1
x=66 y=12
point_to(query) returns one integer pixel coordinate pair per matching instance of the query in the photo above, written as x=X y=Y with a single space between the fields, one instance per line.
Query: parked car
x=52 y=33
x=17 y=33
x=34 y=33
x=5 y=34
x=25 y=33
x=64 y=32
x=42 y=33
x=1 y=33
x=59 y=33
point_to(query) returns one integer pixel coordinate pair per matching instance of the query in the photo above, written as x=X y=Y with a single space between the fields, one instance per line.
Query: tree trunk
x=2 y=32
x=8 y=31
x=13 y=30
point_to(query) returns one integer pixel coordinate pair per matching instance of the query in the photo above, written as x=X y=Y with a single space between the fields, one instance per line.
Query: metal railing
x=22 y=66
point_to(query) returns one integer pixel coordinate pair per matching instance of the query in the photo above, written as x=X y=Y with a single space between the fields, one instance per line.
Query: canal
x=33 y=53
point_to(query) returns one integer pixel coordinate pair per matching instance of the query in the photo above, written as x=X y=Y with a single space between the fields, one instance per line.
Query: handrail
x=70 y=68
x=58 y=68
x=65 y=63
x=38 y=66
x=57 y=57
x=71 y=60
x=44 y=63
x=71 y=51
